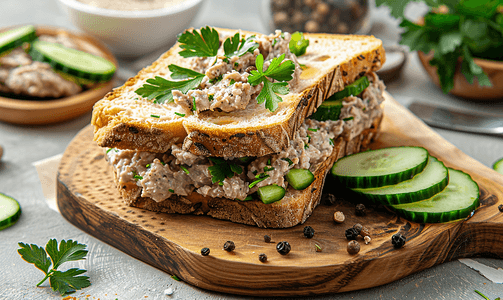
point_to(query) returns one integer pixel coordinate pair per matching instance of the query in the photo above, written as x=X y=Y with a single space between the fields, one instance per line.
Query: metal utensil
x=452 y=119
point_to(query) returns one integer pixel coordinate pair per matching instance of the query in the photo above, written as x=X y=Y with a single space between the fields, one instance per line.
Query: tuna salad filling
x=225 y=85
x=179 y=172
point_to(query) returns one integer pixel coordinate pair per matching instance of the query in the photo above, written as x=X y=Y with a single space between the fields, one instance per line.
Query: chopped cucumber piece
x=498 y=166
x=328 y=110
x=10 y=211
x=271 y=193
x=430 y=181
x=456 y=201
x=299 y=179
x=77 y=63
x=376 y=168
x=353 y=89
x=16 y=37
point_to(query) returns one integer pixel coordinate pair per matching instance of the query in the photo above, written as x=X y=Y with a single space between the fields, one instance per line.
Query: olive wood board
x=87 y=198
x=41 y=112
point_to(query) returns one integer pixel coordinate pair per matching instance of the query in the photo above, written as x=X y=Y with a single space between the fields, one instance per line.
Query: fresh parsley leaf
x=203 y=44
x=278 y=70
x=223 y=169
x=298 y=44
x=64 y=282
x=471 y=70
x=261 y=178
x=236 y=46
x=449 y=42
x=160 y=89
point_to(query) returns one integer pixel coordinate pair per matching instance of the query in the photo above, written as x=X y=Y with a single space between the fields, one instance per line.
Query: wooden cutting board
x=88 y=199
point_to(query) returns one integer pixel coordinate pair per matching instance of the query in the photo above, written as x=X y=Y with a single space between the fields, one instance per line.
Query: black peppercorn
x=351 y=233
x=205 y=251
x=229 y=246
x=360 y=209
x=353 y=247
x=358 y=227
x=500 y=207
x=267 y=238
x=398 y=240
x=262 y=257
x=283 y=248
x=308 y=232
x=328 y=199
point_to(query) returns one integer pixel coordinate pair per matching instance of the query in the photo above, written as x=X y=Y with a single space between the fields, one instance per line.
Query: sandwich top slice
x=248 y=98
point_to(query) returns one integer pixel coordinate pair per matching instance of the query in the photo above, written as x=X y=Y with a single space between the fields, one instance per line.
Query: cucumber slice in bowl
x=73 y=62
x=498 y=166
x=16 y=37
x=456 y=201
x=10 y=211
x=432 y=180
x=381 y=167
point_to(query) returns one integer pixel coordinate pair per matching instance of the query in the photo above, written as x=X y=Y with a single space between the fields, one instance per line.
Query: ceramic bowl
x=131 y=34
x=462 y=88
x=38 y=112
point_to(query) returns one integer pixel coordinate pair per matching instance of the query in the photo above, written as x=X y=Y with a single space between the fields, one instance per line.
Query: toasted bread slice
x=124 y=120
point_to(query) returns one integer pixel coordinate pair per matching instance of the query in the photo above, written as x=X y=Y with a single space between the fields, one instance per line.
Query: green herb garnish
x=331 y=141
x=210 y=97
x=155 y=116
x=185 y=170
x=267 y=169
x=262 y=178
x=277 y=70
x=64 y=282
x=290 y=162
x=175 y=277
x=348 y=119
x=485 y=297
x=179 y=114
x=298 y=44
x=147 y=166
x=222 y=169
x=236 y=46
x=171 y=190
x=194 y=107
x=313 y=129
x=202 y=44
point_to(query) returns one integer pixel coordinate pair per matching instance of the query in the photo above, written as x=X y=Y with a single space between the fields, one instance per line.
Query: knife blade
x=447 y=118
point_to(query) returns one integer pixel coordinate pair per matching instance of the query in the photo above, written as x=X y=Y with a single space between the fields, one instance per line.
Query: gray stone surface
x=115 y=275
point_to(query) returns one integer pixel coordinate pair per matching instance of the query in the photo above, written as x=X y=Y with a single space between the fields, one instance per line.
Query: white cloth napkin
x=47 y=171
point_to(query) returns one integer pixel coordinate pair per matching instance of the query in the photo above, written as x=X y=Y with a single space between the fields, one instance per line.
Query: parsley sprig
x=64 y=282
x=237 y=46
x=465 y=29
x=278 y=70
x=223 y=169
x=160 y=89
x=201 y=44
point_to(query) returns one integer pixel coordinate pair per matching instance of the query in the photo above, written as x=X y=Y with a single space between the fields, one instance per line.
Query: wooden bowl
x=462 y=88
x=38 y=112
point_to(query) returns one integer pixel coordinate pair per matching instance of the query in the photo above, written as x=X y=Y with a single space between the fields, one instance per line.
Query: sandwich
x=241 y=126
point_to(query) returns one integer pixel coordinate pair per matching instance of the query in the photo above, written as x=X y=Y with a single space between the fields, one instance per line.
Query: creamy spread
x=180 y=172
x=131 y=4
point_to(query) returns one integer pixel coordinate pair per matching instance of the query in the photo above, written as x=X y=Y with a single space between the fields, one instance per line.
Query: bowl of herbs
x=459 y=44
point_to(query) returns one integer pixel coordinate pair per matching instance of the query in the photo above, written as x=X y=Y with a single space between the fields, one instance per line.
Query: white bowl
x=130 y=34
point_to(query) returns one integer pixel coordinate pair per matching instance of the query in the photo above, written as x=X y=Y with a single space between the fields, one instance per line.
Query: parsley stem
x=46 y=276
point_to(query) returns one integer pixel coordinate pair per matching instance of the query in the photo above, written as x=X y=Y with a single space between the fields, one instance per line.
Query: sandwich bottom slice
x=180 y=182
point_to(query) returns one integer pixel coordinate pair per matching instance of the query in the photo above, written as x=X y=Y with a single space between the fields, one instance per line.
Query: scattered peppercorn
x=500 y=207
x=267 y=238
x=328 y=199
x=229 y=246
x=351 y=233
x=353 y=247
x=205 y=251
x=308 y=232
x=339 y=217
x=366 y=239
x=283 y=248
x=398 y=240
x=358 y=227
x=364 y=231
x=262 y=257
x=360 y=209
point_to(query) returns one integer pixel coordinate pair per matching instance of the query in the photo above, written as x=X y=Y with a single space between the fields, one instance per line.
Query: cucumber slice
x=376 y=168
x=271 y=193
x=456 y=201
x=328 y=110
x=430 y=181
x=353 y=89
x=73 y=62
x=299 y=179
x=498 y=166
x=16 y=37
x=10 y=211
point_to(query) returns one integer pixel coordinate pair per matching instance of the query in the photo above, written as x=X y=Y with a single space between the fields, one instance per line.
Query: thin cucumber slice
x=299 y=179
x=353 y=89
x=271 y=193
x=73 y=62
x=432 y=180
x=498 y=166
x=328 y=110
x=376 y=168
x=16 y=37
x=456 y=201
x=10 y=211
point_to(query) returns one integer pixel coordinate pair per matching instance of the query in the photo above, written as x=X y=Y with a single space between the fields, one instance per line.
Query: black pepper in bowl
x=283 y=248
x=229 y=246
x=308 y=232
